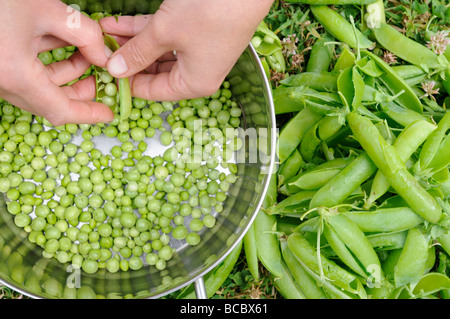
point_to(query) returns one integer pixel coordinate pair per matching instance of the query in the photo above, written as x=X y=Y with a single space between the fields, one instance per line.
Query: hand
x=207 y=35
x=30 y=27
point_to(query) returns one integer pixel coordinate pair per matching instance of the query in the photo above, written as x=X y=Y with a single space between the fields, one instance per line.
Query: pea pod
x=358 y=247
x=406 y=144
x=396 y=84
x=284 y=102
x=215 y=278
x=402 y=115
x=318 y=176
x=307 y=284
x=294 y=131
x=322 y=82
x=290 y=167
x=125 y=100
x=346 y=60
x=387 y=241
x=286 y=285
x=441 y=159
x=267 y=245
x=319 y=264
x=385 y=219
x=293 y=205
x=251 y=254
x=340 y=28
x=393 y=168
x=321 y=54
x=406 y=48
x=412 y=260
x=433 y=143
x=340 y=249
x=431 y=283
x=344 y=183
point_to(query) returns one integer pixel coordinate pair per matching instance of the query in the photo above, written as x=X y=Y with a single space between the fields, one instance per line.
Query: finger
x=138 y=53
x=83 y=90
x=49 y=43
x=72 y=26
x=125 y=26
x=59 y=105
x=68 y=70
x=159 y=87
x=159 y=67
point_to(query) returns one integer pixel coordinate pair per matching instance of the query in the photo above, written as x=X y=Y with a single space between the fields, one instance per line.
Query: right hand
x=207 y=35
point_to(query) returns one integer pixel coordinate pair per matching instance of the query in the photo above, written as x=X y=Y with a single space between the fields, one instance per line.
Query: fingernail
x=117 y=65
x=108 y=52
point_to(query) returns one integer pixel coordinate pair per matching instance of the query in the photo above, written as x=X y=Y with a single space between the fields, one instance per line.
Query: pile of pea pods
x=358 y=206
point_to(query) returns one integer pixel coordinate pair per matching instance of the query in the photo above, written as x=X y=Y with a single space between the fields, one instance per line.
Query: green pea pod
x=344 y=183
x=387 y=241
x=385 y=219
x=321 y=265
x=369 y=67
x=433 y=143
x=322 y=82
x=329 y=127
x=346 y=60
x=406 y=48
x=215 y=278
x=251 y=254
x=340 y=28
x=396 y=84
x=431 y=283
x=412 y=260
x=307 y=284
x=441 y=159
x=318 y=176
x=406 y=144
x=351 y=86
x=341 y=250
x=293 y=205
x=125 y=99
x=294 y=131
x=393 y=168
x=358 y=245
x=284 y=102
x=321 y=54
x=267 y=244
x=332 y=2
x=408 y=71
x=286 y=285
x=290 y=167
x=402 y=115
x=310 y=144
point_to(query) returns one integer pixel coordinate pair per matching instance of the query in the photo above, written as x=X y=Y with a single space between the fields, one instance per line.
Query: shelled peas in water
x=123 y=207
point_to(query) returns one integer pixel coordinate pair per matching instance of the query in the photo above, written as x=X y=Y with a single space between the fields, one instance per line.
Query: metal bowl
x=24 y=269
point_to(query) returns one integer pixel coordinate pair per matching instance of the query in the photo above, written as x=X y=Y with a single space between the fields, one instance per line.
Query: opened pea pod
x=115 y=93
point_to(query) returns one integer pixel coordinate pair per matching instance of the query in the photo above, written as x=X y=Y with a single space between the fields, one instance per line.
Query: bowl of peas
x=140 y=207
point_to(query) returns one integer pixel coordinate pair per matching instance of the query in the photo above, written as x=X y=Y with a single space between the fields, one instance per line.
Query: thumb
x=136 y=55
